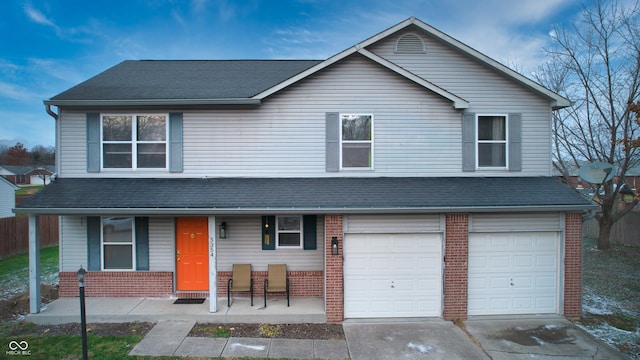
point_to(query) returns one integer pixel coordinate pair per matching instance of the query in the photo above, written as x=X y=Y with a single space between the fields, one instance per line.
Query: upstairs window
x=134 y=141
x=356 y=141
x=492 y=141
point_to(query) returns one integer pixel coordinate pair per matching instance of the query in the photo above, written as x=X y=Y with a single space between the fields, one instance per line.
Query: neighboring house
x=27 y=175
x=426 y=163
x=7 y=198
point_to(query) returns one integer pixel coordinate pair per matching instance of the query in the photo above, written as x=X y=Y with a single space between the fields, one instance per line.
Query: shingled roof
x=302 y=195
x=171 y=80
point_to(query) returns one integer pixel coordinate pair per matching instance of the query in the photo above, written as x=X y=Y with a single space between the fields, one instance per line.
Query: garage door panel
x=392 y=275
x=513 y=273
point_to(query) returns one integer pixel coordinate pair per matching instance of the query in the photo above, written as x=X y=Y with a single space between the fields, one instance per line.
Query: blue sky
x=48 y=46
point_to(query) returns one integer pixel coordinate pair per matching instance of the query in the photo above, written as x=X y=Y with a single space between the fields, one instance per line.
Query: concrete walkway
x=169 y=338
x=550 y=338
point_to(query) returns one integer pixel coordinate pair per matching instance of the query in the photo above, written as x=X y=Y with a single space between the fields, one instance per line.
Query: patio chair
x=240 y=281
x=276 y=281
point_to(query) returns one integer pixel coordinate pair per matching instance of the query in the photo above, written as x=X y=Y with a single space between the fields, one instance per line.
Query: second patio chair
x=240 y=281
x=277 y=281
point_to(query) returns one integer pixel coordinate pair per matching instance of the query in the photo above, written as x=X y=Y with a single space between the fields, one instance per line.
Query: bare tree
x=595 y=62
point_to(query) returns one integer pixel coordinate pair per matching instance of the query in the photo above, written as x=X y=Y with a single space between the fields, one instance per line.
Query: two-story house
x=425 y=164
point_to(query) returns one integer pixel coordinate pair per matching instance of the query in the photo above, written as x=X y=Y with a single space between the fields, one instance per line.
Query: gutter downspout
x=50 y=112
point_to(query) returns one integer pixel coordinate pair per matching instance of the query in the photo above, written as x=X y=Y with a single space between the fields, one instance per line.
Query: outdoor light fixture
x=223 y=230
x=83 y=317
x=334 y=246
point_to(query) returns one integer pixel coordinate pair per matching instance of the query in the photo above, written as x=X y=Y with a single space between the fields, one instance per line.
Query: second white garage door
x=392 y=275
x=513 y=273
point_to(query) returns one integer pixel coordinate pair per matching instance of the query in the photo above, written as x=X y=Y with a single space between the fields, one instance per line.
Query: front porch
x=130 y=309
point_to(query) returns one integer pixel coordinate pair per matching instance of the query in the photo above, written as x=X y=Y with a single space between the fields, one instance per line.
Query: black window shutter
x=332 y=135
x=515 y=142
x=309 y=223
x=93 y=142
x=468 y=142
x=142 y=243
x=175 y=142
x=93 y=243
x=268 y=233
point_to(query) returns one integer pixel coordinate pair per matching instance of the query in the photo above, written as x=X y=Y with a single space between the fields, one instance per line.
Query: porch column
x=34 y=265
x=456 y=272
x=333 y=272
x=213 y=266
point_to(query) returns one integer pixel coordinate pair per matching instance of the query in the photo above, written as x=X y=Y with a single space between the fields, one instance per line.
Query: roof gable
x=459 y=103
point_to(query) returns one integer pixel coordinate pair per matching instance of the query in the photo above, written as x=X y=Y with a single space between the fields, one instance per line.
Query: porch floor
x=105 y=310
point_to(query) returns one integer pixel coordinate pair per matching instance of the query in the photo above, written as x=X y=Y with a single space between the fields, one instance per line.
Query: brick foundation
x=573 y=266
x=301 y=284
x=456 y=272
x=334 y=302
x=118 y=284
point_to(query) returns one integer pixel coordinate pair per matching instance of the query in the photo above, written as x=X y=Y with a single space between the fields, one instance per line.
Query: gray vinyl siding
x=516 y=222
x=375 y=224
x=243 y=245
x=161 y=244
x=7 y=199
x=486 y=91
x=73 y=244
x=416 y=132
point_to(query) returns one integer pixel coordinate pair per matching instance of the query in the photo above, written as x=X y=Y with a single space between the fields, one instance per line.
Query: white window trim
x=290 y=232
x=505 y=141
x=134 y=266
x=133 y=142
x=372 y=167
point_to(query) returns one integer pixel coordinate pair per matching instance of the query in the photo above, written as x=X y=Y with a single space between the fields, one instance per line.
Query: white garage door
x=513 y=273
x=392 y=275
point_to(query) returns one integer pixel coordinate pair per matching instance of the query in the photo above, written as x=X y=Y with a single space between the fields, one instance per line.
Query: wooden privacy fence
x=14 y=234
x=625 y=231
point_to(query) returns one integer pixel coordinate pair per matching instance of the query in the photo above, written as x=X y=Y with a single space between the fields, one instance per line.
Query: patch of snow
x=553 y=326
x=539 y=341
x=423 y=349
x=251 y=347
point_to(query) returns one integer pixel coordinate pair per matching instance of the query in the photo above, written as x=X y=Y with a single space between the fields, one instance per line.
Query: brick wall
x=334 y=303
x=118 y=284
x=301 y=284
x=456 y=266
x=573 y=266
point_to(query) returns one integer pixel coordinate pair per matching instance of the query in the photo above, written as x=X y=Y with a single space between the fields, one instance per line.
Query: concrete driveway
x=482 y=338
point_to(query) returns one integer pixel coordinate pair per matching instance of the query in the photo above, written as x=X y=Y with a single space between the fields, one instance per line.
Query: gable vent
x=410 y=43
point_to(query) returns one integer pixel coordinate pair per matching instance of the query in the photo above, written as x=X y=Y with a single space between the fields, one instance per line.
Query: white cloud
x=39 y=18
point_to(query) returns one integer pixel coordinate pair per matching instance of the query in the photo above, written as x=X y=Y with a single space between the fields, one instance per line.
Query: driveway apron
x=409 y=340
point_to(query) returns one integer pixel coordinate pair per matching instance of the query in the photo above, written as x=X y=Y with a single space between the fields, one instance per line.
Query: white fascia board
x=458 y=102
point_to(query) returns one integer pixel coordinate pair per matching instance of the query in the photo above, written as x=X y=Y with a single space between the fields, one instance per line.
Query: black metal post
x=83 y=316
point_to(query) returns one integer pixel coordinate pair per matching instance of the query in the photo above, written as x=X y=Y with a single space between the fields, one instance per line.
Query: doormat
x=189 y=301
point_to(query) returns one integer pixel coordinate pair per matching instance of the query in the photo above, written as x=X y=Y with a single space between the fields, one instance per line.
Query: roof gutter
x=298 y=210
x=153 y=102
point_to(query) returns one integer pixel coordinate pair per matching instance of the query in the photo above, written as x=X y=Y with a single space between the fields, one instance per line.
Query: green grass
x=14 y=271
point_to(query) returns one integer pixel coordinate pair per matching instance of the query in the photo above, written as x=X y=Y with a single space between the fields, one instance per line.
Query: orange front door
x=192 y=254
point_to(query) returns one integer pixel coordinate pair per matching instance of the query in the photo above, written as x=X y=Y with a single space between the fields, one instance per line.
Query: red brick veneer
x=301 y=284
x=334 y=301
x=118 y=284
x=573 y=266
x=456 y=266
